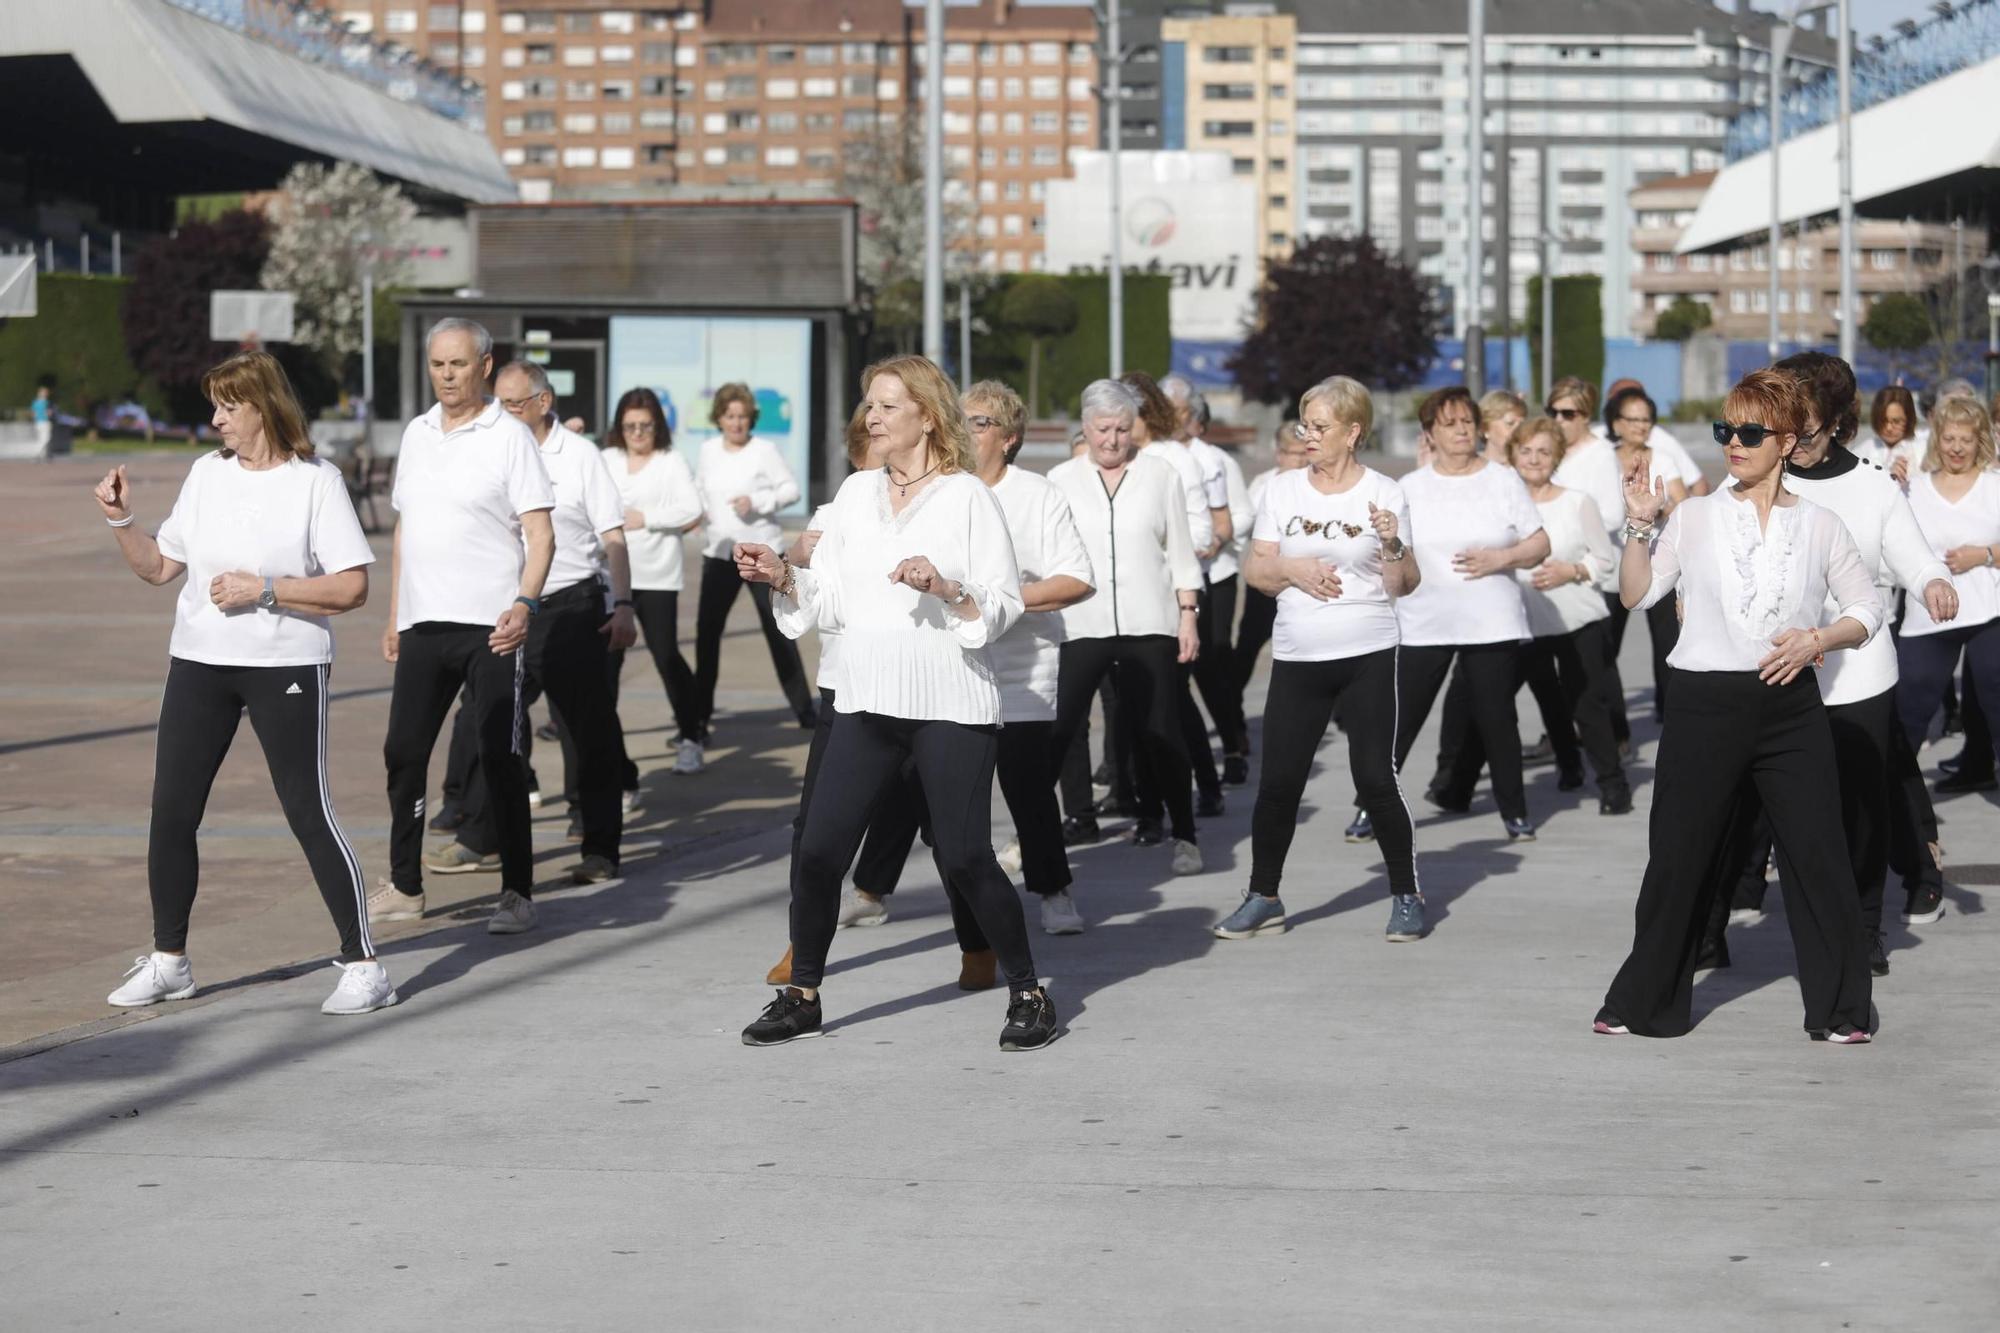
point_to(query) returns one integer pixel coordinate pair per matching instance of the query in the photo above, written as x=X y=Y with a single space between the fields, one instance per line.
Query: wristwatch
x=268 y=599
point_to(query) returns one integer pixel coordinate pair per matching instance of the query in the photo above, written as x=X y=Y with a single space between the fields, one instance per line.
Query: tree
x=1897 y=322
x=882 y=170
x=1337 y=306
x=166 y=307
x=1579 y=331
x=329 y=223
x=1682 y=320
x=1041 y=307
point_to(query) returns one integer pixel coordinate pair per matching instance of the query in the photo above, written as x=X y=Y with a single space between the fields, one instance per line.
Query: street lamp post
x=1549 y=239
x=1475 y=249
x=1845 y=61
x=934 y=180
x=1114 y=107
x=366 y=241
x=1784 y=25
x=1781 y=45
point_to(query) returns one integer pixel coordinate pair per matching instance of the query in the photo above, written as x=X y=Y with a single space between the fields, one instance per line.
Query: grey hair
x=537 y=376
x=453 y=324
x=1182 y=391
x=1109 y=398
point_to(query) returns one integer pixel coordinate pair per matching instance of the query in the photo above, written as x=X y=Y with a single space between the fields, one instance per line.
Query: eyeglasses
x=1311 y=430
x=1752 y=434
x=516 y=404
x=639 y=428
x=981 y=423
x=1635 y=421
x=1566 y=413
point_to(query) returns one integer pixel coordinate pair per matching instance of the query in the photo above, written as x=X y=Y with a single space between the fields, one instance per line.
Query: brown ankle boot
x=975 y=970
x=781 y=975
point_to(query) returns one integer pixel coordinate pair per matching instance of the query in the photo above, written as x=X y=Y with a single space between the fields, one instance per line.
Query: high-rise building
x=1226 y=87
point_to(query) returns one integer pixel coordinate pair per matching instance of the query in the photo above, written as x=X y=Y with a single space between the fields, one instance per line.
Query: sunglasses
x=1752 y=434
x=1566 y=413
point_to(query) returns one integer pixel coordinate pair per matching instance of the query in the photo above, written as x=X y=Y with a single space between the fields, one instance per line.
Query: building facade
x=1226 y=87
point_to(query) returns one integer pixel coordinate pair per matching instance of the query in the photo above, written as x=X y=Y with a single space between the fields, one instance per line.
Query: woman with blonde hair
x=270 y=545
x=1501 y=413
x=917 y=573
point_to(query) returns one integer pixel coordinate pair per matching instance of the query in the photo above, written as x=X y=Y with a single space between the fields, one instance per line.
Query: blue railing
x=1918 y=53
x=313 y=33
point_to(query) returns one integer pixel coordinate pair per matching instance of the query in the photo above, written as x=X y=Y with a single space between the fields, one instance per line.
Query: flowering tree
x=330 y=223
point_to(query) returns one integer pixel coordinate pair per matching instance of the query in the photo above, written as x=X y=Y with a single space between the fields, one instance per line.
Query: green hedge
x=1579 y=333
x=1071 y=362
x=76 y=339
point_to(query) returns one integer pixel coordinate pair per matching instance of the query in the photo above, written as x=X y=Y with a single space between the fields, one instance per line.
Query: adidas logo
x=294 y=689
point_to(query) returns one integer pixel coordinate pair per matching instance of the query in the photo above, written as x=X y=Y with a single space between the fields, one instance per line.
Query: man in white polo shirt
x=586 y=611
x=472 y=550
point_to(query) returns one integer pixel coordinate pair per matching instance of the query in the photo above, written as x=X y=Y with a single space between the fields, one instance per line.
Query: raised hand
x=1644 y=503
x=114 y=495
x=1383 y=521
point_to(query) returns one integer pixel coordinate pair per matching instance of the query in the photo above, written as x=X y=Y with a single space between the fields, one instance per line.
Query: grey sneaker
x=513 y=916
x=458 y=859
x=1406 y=918
x=1257 y=915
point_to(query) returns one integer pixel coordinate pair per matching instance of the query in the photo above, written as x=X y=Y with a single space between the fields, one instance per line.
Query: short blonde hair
x=1004 y=406
x=257 y=380
x=734 y=392
x=1499 y=403
x=949 y=444
x=1348 y=400
x=1569 y=386
x=1528 y=430
x=1960 y=410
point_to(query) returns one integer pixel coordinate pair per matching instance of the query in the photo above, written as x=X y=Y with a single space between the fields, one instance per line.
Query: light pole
x=1781 y=45
x=1475 y=248
x=366 y=241
x=1989 y=272
x=934 y=180
x=1845 y=62
x=1548 y=284
x=1114 y=107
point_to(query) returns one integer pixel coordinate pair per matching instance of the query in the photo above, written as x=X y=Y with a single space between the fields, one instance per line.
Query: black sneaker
x=1235 y=770
x=547 y=732
x=575 y=833
x=1449 y=802
x=1031 y=1021
x=1208 y=804
x=1953 y=764
x=1148 y=833
x=1116 y=806
x=1080 y=829
x=1101 y=776
x=1615 y=799
x=1572 y=780
x=448 y=819
x=1955 y=784
x=1361 y=830
x=784 y=1019
x=593 y=869
x=1925 y=905
x=1878 y=955
x=1713 y=953
x=1519 y=830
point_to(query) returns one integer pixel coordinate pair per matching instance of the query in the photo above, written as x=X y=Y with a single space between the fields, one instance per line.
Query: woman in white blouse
x=1133 y=515
x=1755 y=567
x=1327 y=543
x=744 y=483
x=1892 y=416
x=1630 y=417
x=1564 y=662
x=662 y=504
x=916 y=572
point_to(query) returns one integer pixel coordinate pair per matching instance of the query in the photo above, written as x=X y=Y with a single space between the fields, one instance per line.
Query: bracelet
x=124 y=522
x=1402 y=552
x=1638 y=532
x=622 y=601
x=1190 y=610
x=787 y=588
x=964 y=596
x=534 y=604
x=1819 y=650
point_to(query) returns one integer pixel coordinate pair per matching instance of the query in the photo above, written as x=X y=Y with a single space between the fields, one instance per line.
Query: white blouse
x=904 y=653
x=1486 y=508
x=827 y=677
x=1973 y=521
x=1139 y=548
x=664 y=493
x=1576 y=536
x=1740 y=587
x=757 y=470
x=1046 y=545
x=1592 y=467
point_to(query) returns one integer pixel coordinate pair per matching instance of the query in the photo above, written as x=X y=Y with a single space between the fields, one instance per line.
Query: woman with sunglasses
x=1327 y=543
x=1756 y=568
x=1590 y=465
x=662 y=505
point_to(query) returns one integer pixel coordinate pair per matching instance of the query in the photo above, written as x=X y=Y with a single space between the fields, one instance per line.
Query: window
x=988 y=192
x=443 y=18
x=579 y=123
x=781 y=156
x=657 y=53
x=1045 y=157
x=989 y=88
x=472 y=20
x=539 y=122
x=783 y=122
x=1278 y=164
x=1228 y=129
x=858 y=53
x=580 y=90
x=513 y=157
x=780 y=55
x=536 y=53
x=779 y=90
x=1278 y=201
x=616 y=20
x=860 y=85
x=989 y=122
x=513 y=57
x=1080 y=53
x=579 y=22
x=579 y=157
x=958 y=53
x=1012 y=89
x=656 y=85
x=823 y=54
x=473 y=57
x=988 y=226
x=1013 y=189
x=444 y=54
x=1243 y=166
x=1229 y=55
x=1046 y=122
x=615 y=159
x=822 y=87
x=1229 y=92
x=579 y=55
x=659 y=154
x=957 y=85
x=819 y=122
x=1045 y=53
x=540 y=154
x=1080 y=89
x=1881 y=259
x=615 y=55
x=1661 y=263
x=1011 y=224
x=1011 y=122
x=618 y=90
x=400 y=20
x=618 y=122
x=860 y=118
x=956 y=122
x=1079 y=122
x=1278 y=239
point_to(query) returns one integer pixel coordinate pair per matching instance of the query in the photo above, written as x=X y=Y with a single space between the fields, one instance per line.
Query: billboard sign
x=1186 y=215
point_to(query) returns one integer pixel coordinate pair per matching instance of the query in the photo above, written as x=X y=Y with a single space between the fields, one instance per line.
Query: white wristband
x=124 y=522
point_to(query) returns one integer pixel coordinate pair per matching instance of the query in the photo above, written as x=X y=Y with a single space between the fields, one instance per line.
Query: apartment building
x=612 y=99
x=1735 y=285
x=1226 y=87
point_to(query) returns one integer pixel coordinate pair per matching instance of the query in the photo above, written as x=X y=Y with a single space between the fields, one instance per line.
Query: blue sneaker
x=1362 y=829
x=1406 y=918
x=1257 y=916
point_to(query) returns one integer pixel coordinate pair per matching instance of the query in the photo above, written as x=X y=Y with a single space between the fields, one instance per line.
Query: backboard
x=250 y=317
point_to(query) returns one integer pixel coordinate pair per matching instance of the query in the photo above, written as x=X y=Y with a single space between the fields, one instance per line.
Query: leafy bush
x=74 y=343
x=1579 y=331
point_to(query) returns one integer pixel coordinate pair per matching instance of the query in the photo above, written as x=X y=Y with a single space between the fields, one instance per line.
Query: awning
x=155 y=63
x=1941 y=129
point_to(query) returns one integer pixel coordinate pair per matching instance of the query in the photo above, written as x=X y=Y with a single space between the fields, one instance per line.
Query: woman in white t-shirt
x=662 y=505
x=1327 y=543
x=270 y=545
x=1474 y=526
x=744 y=483
x=1891 y=416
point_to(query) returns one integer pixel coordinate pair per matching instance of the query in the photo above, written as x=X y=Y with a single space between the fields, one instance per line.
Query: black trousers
x=1194 y=738
x=1492 y=676
x=954 y=762
x=567 y=658
x=1260 y=613
x=719 y=585
x=1301 y=703
x=1149 y=691
x=1726 y=730
x=1215 y=667
x=434 y=662
x=893 y=824
x=658 y=613
x=1913 y=825
x=1926 y=662
x=1565 y=673
x=199 y=714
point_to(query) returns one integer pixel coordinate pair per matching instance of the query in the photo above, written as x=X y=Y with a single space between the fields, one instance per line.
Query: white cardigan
x=904 y=653
x=1139 y=548
x=664 y=493
x=1576 y=536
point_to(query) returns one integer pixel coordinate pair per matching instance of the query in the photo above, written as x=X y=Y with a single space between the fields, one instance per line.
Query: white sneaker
x=1187 y=858
x=154 y=977
x=856 y=910
x=389 y=903
x=1059 y=915
x=630 y=805
x=1010 y=857
x=513 y=916
x=688 y=759
x=535 y=799
x=363 y=988
x=1746 y=916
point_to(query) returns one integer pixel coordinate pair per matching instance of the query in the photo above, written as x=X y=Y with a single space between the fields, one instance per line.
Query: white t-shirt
x=587 y=503
x=1046 y=544
x=1591 y=466
x=1489 y=507
x=1194 y=491
x=1306 y=522
x=1576 y=536
x=1973 y=521
x=1228 y=562
x=757 y=470
x=459 y=498
x=293 y=521
x=664 y=493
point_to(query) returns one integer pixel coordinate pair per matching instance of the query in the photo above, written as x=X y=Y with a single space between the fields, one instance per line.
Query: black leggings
x=719 y=585
x=658 y=613
x=1298 y=709
x=1149 y=691
x=1566 y=674
x=198 y=717
x=1260 y=613
x=1926 y=663
x=1726 y=730
x=1215 y=668
x=954 y=763
x=1492 y=676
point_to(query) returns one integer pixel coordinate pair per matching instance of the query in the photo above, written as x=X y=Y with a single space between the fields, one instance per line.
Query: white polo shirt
x=587 y=503
x=459 y=497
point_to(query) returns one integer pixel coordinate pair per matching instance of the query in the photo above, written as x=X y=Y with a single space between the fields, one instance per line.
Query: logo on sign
x=1151 y=222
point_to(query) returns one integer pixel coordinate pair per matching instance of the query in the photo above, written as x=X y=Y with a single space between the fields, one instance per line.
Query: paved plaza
x=562 y=1129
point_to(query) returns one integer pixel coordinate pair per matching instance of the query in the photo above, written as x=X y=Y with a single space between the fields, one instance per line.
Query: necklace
x=903 y=487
